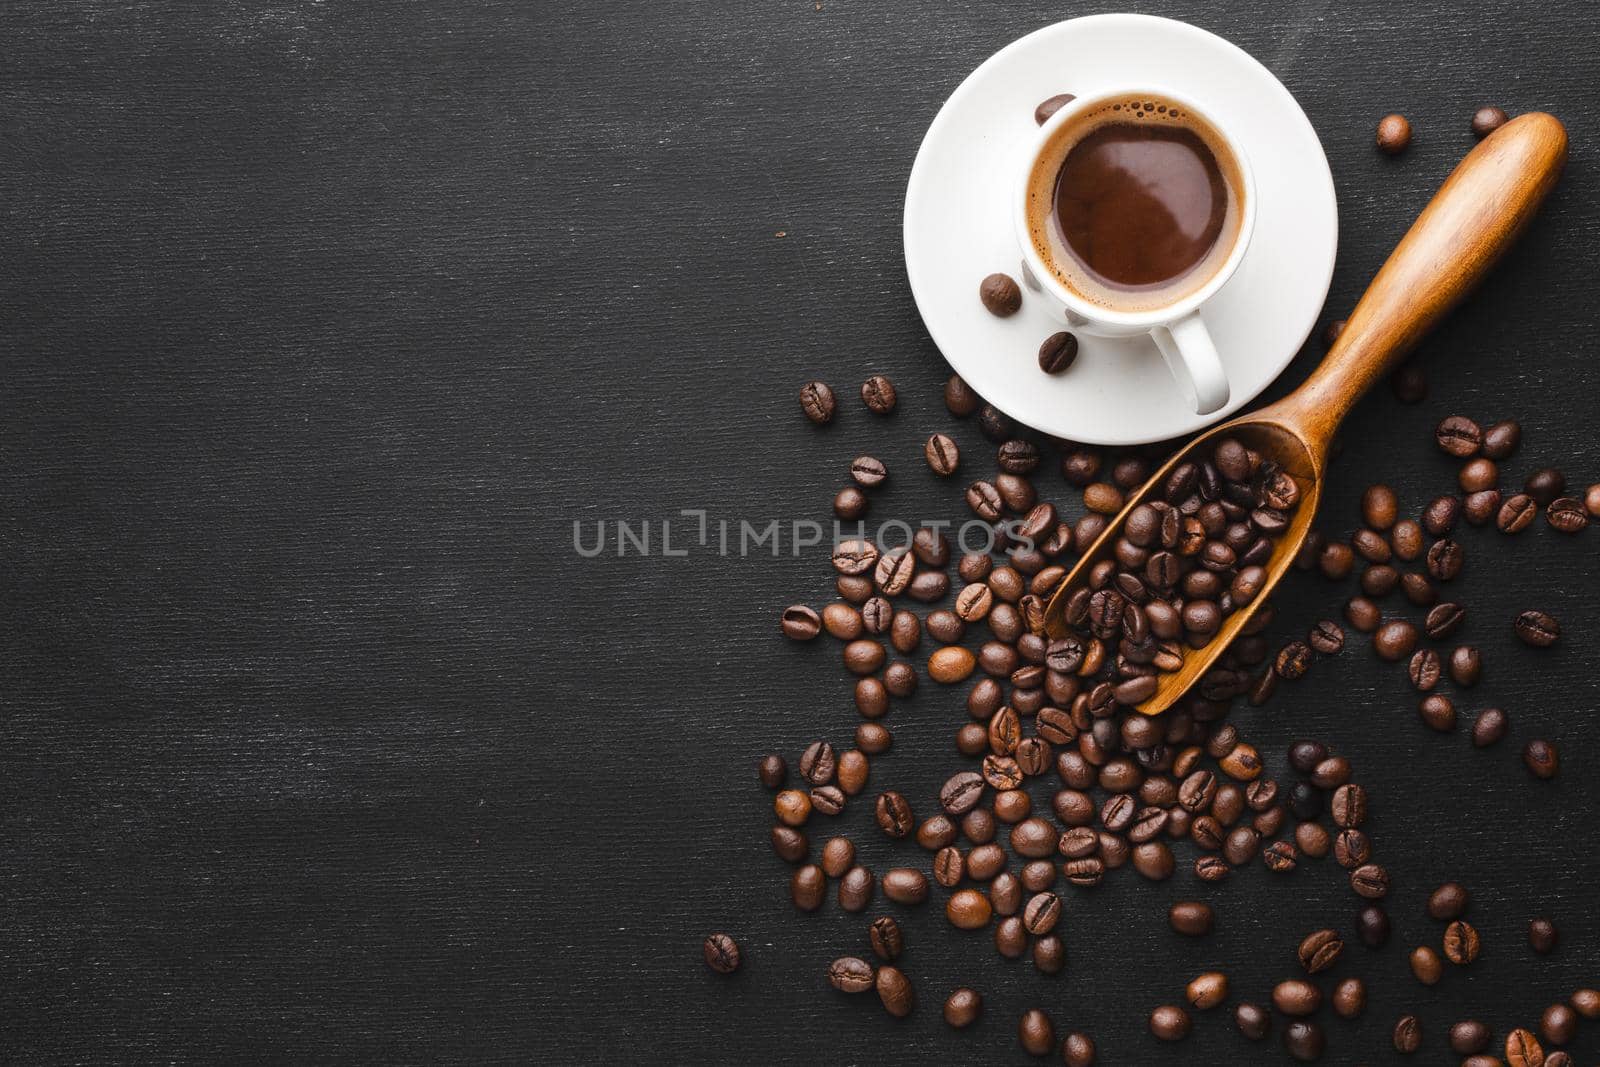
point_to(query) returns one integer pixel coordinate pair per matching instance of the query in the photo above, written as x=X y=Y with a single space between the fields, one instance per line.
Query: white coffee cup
x=1177 y=328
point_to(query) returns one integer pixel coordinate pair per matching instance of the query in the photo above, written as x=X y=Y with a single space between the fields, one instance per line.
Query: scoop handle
x=1473 y=218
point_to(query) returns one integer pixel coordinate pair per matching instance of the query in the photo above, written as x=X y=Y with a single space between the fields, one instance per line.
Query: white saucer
x=958 y=228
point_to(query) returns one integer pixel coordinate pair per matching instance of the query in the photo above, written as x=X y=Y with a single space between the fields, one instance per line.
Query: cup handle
x=1192 y=359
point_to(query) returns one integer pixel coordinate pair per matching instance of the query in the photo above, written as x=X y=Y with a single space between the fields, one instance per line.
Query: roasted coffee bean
x=1041 y=913
x=1370 y=880
x=1000 y=294
x=984 y=500
x=1241 y=845
x=1480 y=507
x=790 y=844
x=1542 y=935
x=1586 y=1002
x=773 y=770
x=1349 y=998
x=1445 y=560
x=1102 y=498
x=1211 y=869
x=855 y=557
x=1394 y=640
x=1305 y=755
x=1423 y=670
x=807 y=887
x=842 y=621
x=878 y=393
x=1558 y=1024
x=887 y=940
x=1380 y=507
x=1541 y=759
x=873 y=738
x=1567 y=515
x=1192 y=918
x=1459 y=436
x=1444 y=619
x=1280 y=857
x=792 y=807
x=905 y=632
x=951 y=664
x=857 y=588
x=1326 y=637
x=1058 y=352
x=1537 y=629
x=962 y=1007
x=1296 y=997
x=1372 y=926
x=1294 y=659
x=1489 y=727
x=818 y=763
x=863 y=657
x=1305 y=800
x=1449 y=901
x=1407 y=1035
x=1486 y=120
x=1438 y=712
x=1153 y=859
x=1545 y=485
x=721 y=953
x=1320 y=950
x=894 y=990
x=851 y=974
x=817 y=401
x=1035 y=1033
x=959 y=397
x=1466 y=665
x=838 y=856
x=800 y=623
x=894 y=814
x=1170 y=1023
x=1371 y=546
x=1349 y=806
x=1362 y=614
x=1252 y=1020
x=1468 y=1037
x=1407 y=538
x=1476 y=475
x=1351 y=848
x=827 y=799
x=1524 y=1050
x=1426 y=965
x=1033 y=838
x=942 y=455
x=1331 y=773
x=1242 y=763
x=850 y=503
x=1206 y=991
x=1439 y=517
x=1516 y=514
x=1085 y=873
x=1394 y=134
x=1418 y=589
x=992 y=424
x=1461 y=942
x=905 y=885
x=968 y=909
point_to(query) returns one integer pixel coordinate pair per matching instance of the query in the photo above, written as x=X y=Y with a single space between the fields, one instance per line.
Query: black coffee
x=1135 y=203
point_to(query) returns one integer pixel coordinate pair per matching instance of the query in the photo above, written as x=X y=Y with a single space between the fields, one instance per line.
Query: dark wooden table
x=324 y=323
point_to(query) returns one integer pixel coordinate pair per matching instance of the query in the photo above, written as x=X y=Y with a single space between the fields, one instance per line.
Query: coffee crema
x=1135 y=203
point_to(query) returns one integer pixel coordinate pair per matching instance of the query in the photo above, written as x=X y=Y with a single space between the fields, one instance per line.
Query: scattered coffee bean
x=878 y=393
x=1349 y=998
x=1468 y=1037
x=807 y=887
x=1586 y=1002
x=1036 y=1033
x=1253 y=1021
x=1523 y=1050
x=868 y=471
x=1541 y=759
x=1516 y=513
x=773 y=770
x=959 y=397
x=968 y=909
x=1170 y=1023
x=1394 y=134
x=887 y=940
x=1461 y=942
x=1426 y=965
x=1424 y=669
x=1486 y=120
x=1372 y=926
x=817 y=401
x=1542 y=935
x=1466 y=666
x=1558 y=1024
x=1489 y=728
x=1058 y=352
x=851 y=974
x=1566 y=515
x=1320 y=950
x=1407 y=1035
x=722 y=953
x=1449 y=901
x=1438 y=712
x=1409 y=384
x=962 y=1007
x=1000 y=294
x=1370 y=880
x=1192 y=918
x=894 y=990
x=1296 y=997
x=1207 y=990
x=942 y=455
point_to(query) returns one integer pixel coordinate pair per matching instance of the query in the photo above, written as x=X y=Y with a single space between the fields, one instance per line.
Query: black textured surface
x=324 y=322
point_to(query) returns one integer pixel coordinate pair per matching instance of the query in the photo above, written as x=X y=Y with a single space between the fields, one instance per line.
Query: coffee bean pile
x=1130 y=790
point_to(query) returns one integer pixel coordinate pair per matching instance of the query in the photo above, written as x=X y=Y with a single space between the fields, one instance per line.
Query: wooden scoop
x=1471 y=220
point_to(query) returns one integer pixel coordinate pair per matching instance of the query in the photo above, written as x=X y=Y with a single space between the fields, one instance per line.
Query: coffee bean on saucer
x=817 y=401
x=960 y=398
x=1394 y=134
x=1542 y=759
x=722 y=953
x=878 y=393
x=1542 y=935
x=1000 y=294
x=1058 y=352
x=942 y=455
x=1486 y=120
x=1046 y=108
x=1537 y=629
